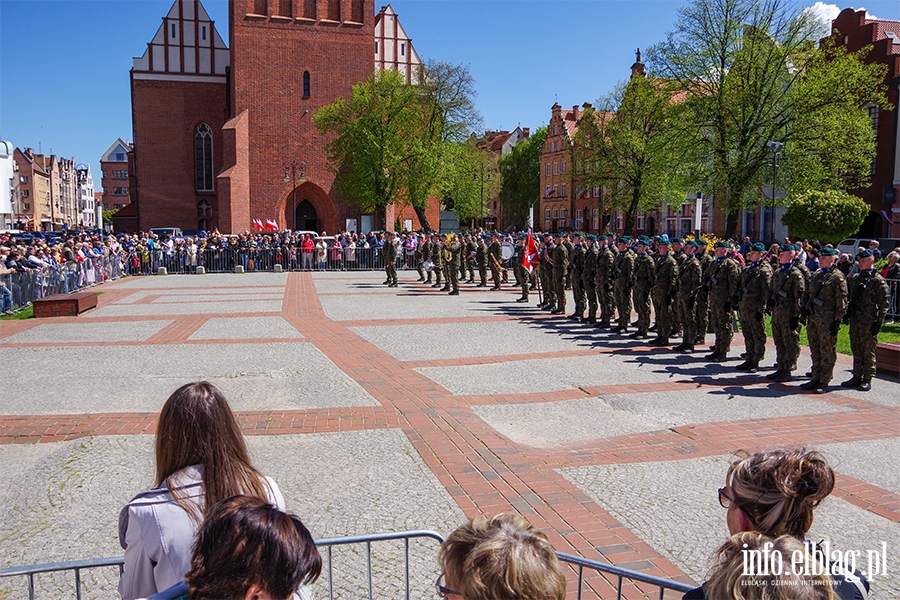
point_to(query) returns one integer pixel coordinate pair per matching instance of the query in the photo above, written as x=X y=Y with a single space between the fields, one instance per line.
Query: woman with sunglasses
x=504 y=558
x=774 y=492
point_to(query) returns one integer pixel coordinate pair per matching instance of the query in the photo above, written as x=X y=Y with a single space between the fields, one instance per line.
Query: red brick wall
x=165 y=117
x=269 y=57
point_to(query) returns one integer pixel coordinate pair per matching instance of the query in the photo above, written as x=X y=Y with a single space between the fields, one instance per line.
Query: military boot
x=809 y=385
x=865 y=385
x=852 y=382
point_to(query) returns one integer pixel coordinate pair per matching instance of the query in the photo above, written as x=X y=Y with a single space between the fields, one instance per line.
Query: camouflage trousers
x=391 y=272
x=723 y=320
x=590 y=293
x=701 y=315
x=641 y=298
x=606 y=300
x=862 y=344
x=578 y=294
x=786 y=333
x=665 y=313
x=559 y=288
x=822 y=348
x=623 y=304
x=482 y=274
x=685 y=308
x=546 y=276
x=753 y=326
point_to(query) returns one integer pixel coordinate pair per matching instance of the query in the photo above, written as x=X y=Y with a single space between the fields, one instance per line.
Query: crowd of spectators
x=61 y=262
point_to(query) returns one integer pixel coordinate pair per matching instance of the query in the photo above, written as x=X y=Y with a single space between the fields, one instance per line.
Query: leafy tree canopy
x=830 y=215
x=520 y=178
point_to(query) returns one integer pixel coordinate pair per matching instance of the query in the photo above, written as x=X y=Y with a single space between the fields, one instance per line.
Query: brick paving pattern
x=613 y=448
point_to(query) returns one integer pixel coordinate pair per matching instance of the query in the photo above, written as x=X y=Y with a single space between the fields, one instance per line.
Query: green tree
x=108 y=216
x=629 y=148
x=520 y=178
x=752 y=73
x=830 y=215
x=462 y=186
x=373 y=141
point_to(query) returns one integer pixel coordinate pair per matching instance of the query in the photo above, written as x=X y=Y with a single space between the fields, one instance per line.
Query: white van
x=851 y=245
x=162 y=232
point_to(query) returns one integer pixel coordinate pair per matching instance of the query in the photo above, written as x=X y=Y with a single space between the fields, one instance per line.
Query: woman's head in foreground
x=248 y=549
x=504 y=558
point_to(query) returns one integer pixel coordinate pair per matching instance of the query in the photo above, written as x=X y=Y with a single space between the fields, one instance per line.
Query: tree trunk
x=423 y=219
x=631 y=211
x=731 y=223
x=380 y=218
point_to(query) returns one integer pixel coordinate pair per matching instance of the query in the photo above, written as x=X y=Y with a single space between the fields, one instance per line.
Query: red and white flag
x=257 y=225
x=271 y=225
x=530 y=256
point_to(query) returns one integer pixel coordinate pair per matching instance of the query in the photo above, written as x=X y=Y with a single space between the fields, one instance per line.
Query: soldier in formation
x=495 y=258
x=825 y=307
x=868 y=303
x=722 y=283
x=576 y=268
x=788 y=289
x=604 y=280
x=389 y=256
x=752 y=297
x=560 y=260
x=588 y=277
x=665 y=278
x=690 y=275
x=622 y=275
x=644 y=271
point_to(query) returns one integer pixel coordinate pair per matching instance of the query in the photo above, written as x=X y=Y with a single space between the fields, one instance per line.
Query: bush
x=829 y=215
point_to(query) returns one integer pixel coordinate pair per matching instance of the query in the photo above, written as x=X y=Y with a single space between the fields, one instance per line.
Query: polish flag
x=530 y=256
x=271 y=225
x=257 y=225
x=551 y=192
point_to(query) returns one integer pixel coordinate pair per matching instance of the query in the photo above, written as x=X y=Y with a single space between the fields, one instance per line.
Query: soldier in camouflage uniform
x=437 y=259
x=426 y=247
x=754 y=292
x=453 y=251
x=701 y=307
x=788 y=290
x=623 y=280
x=576 y=260
x=644 y=272
x=604 y=281
x=826 y=305
x=724 y=274
x=445 y=262
x=469 y=253
x=481 y=259
x=663 y=293
x=522 y=275
x=679 y=254
x=546 y=273
x=421 y=247
x=389 y=256
x=495 y=260
x=689 y=278
x=588 y=278
x=560 y=259
x=869 y=295
x=570 y=248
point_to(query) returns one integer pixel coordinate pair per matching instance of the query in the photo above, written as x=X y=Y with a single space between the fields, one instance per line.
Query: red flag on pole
x=529 y=257
x=257 y=225
x=271 y=225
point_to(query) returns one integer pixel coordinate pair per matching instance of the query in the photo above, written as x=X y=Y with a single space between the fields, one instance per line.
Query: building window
x=306 y=84
x=173 y=31
x=402 y=49
x=596 y=191
x=24 y=178
x=120 y=174
x=334 y=10
x=203 y=33
x=203 y=158
x=376 y=47
x=562 y=191
x=357 y=11
x=555 y=213
x=546 y=224
x=120 y=191
x=556 y=168
x=563 y=213
x=26 y=193
x=548 y=169
x=556 y=130
x=120 y=156
x=562 y=167
x=546 y=213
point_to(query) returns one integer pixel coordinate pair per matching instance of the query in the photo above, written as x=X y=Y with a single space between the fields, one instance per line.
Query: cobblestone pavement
x=383 y=409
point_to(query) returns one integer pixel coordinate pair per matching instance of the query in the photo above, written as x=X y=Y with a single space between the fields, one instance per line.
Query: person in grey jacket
x=201 y=458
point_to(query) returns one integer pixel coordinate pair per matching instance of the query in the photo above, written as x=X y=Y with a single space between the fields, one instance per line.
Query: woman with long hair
x=201 y=458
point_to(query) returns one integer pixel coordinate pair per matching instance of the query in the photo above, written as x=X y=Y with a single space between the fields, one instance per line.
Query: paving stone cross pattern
x=382 y=409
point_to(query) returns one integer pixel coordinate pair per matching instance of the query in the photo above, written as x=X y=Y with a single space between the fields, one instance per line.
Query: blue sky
x=64 y=84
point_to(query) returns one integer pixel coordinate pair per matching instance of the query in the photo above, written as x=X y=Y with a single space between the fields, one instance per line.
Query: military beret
x=864 y=254
x=602 y=237
x=677 y=240
x=610 y=234
x=548 y=236
x=644 y=240
x=563 y=235
x=828 y=252
x=722 y=244
x=520 y=237
x=624 y=239
x=591 y=236
x=789 y=248
x=702 y=242
x=758 y=247
x=692 y=243
x=578 y=234
x=664 y=239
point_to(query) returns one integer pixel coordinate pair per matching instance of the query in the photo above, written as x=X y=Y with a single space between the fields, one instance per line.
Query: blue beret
x=758 y=247
x=864 y=254
x=664 y=239
x=829 y=252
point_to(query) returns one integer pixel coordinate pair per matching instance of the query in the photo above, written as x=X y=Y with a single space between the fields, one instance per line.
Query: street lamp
x=481 y=179
x=291 y=170
x=775 y=149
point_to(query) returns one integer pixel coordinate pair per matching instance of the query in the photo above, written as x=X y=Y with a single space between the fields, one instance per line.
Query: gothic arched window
x=203 y=158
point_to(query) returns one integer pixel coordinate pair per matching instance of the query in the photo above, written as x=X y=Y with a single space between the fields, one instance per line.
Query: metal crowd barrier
x=369 y=579
x=41 y=282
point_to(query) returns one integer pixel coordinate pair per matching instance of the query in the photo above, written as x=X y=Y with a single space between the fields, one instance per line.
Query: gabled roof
x=186 y=43
x=493 y=140
x=119 y=143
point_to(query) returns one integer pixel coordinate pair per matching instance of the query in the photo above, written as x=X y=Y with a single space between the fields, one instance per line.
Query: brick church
x=223 y=135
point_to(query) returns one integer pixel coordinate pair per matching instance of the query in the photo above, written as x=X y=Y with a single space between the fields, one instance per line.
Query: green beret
x=591 y=236
x=702 y=242
x=692 y=243
x=677 y=240
x=602 y=237
x=864 y=254
x=610 y=234
x=722 y=244
x=758 y=247
x=829 y=252
x=663 y=239
x=577 y=234
x=643 y=240
x=624 y=239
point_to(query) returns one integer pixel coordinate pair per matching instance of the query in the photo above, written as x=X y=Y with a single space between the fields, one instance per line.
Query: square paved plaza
x=380 y=409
